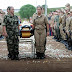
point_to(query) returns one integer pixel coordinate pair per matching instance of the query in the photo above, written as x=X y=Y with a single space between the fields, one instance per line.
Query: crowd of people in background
x=60 y=25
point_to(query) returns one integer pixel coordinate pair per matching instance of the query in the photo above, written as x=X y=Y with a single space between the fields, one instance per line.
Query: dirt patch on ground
x=58 y=59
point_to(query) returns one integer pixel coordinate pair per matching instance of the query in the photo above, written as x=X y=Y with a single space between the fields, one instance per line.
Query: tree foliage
x=27 y=11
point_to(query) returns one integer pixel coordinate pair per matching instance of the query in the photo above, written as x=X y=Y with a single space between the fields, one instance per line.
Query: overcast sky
x=18 y=3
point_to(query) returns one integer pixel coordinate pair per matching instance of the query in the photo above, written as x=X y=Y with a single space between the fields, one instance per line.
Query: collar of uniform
x=10 y=15
x=39 y=16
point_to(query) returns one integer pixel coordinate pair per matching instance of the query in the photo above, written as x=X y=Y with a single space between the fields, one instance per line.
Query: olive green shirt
x=40 y=22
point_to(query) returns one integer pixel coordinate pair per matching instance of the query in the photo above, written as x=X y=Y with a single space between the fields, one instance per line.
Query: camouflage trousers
x=40 y=40
x=13 y=44
x=57 y=30
x=63 y=35
x=70 y=40
x=53 y=30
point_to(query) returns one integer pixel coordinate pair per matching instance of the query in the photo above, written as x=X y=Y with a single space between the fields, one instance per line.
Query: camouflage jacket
x=57 y=21
x=11 y=23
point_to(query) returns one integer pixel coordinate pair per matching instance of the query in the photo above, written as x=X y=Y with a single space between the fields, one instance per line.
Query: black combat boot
x=12 y=57
x=54 y=37
x=42 y=55
x=70 y=44
x=9 y=55
x=38 y=55
x=16 y=53
x=16 y=57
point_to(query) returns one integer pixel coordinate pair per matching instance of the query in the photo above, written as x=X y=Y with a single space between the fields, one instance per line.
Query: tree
x=27 y=11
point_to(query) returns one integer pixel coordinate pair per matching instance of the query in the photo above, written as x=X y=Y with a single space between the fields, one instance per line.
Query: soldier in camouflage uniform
x=52 y=24
x=10 y=30
x=56 y=25
x=69 y=30
x=62 y=24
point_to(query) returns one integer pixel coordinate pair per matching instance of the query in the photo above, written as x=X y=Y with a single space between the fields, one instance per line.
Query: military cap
x=67 y=5
x=62 y=10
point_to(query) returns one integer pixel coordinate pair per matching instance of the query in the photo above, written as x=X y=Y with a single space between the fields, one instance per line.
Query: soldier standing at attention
x=69 y=30
x=49 y=21
x=52 y=24
x=39 y=24
x=57 y=24
x=62 y=25
x=11 y=31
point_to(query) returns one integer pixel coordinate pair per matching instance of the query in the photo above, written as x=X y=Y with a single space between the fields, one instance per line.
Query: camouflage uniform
x=52 y=24
x=40 y=32
x=67 y=28
x=69 y=32
x=70 y=27
x=62 y=26
x=11 y=24
x=57 y=24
